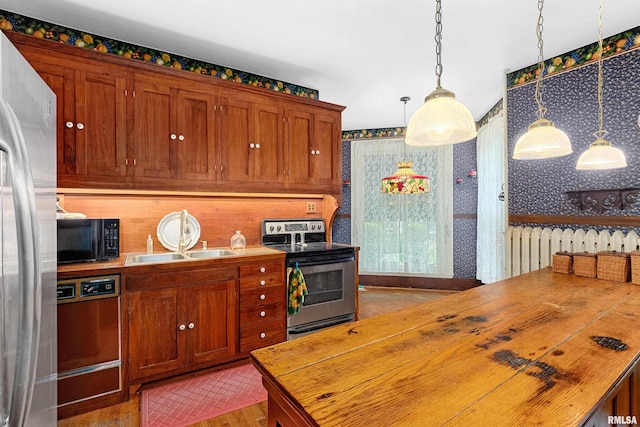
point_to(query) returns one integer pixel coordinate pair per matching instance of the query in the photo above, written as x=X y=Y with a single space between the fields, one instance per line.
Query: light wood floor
x=373 y=301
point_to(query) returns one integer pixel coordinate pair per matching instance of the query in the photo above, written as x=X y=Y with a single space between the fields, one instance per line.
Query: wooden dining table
x=539 y=349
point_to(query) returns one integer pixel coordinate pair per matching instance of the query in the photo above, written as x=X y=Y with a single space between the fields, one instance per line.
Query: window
x=401 y=234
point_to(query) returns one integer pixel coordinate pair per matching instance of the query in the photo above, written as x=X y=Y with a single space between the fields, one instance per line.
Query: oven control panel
x=290 y=226
x=86 y=288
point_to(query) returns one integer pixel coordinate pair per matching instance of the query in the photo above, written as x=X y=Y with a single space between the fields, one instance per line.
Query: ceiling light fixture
x=601 y=154
x=543 y=140
x=405 y=180
x=441 y=120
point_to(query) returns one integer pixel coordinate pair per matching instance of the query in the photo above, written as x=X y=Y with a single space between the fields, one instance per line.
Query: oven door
x=331 y=297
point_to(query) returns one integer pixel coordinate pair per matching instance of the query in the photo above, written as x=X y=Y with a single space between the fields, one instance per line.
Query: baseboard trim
x=419 y=282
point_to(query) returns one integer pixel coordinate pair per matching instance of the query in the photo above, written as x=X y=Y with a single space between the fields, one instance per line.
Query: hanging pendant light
x=601 y=154
x=441 y=120
x=405 y=180
x=543 y=140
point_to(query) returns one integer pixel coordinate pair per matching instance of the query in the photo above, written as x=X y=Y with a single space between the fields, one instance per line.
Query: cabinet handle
x=80 y=126
x=182 y=327
x=262 y=296
x=257 y=145
x=263 y=313
x=173 y=136
x=181 y=137
x=263 y=335
x=69 y=124
x=191 y=326
x=252 y=145
x=262 y=269
x=262 y=283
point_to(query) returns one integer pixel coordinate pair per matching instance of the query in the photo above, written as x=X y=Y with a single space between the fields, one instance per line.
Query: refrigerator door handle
x=24 y=197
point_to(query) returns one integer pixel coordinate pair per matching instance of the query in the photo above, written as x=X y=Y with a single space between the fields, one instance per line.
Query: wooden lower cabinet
x=188 y=322
x=263 y=318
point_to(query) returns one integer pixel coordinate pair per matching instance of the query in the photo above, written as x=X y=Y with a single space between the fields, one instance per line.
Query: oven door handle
x=322 y=325
x=319 y=260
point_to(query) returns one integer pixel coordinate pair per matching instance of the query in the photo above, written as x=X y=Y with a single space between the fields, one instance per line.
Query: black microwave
x=88 y=240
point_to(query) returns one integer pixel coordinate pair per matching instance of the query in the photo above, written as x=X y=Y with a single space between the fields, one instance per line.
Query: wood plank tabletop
x=539 y=349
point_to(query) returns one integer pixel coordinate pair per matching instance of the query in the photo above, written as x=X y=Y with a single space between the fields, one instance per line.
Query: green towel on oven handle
x=297 y=289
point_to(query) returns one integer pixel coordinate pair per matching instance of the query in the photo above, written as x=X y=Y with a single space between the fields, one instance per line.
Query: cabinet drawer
x=262 y=313
x=257 y=335
x=256 y=282
x=267 y=295
x=275 y=270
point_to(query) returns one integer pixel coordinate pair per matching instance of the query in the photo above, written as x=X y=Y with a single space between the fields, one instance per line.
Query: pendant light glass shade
x=405 y=181
x=441 y=120
x=601 y=155
x=542 y=141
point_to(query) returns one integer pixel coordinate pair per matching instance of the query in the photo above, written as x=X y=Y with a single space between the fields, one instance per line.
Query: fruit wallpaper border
x=10 y=21
x=611 y=46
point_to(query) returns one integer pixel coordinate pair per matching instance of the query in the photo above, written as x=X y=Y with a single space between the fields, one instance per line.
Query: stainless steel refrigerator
x=28 y=251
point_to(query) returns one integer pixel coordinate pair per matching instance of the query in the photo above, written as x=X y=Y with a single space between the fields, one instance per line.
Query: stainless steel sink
x=210 y=253
x=151 y=258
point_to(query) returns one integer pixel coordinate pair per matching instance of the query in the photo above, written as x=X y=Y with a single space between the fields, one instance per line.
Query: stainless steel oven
x=329 y=270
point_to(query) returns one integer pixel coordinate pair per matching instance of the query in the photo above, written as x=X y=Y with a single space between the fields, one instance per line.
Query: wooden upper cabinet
x=252 y=141
x=175 y=131
x=91 y=118
x=126 y=124
x=314 y=149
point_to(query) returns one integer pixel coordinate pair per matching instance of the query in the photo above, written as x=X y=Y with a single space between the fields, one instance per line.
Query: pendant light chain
x=601 y=133
x=438 y=39
x=538 y=95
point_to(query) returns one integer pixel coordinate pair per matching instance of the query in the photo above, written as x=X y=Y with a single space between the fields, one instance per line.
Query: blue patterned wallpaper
x=538 y=186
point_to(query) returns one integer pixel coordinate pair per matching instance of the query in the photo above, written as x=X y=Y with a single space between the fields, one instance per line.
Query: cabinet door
x=237 y=164
x=152 y=129
x=62 y=82
x=326 y=150
x=156 y=342
x=193 y=152
x=101 y=118
x=300 y=140
x=269 y=142
x=212 y=323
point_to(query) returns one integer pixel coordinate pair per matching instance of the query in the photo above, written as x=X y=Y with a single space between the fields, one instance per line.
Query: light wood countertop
x=539 y=349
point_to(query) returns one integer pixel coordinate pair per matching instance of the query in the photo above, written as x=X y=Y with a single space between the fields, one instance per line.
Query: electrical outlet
x=311 y=207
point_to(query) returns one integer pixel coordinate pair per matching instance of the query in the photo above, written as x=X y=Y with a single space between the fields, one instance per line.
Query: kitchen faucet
x=183 y=230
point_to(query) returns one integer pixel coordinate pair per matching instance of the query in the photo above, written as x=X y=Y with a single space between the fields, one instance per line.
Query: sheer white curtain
x=492 y=212
x=397 y=234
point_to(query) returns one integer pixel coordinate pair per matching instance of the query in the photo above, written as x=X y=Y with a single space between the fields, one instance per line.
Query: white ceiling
x=364 y=54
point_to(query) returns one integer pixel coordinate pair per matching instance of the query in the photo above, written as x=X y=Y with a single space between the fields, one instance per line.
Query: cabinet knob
x=80 y=126
x=317 y=152
x=262 y=296
x=263 y=313
x=263 y=335
x=191 y=326
x=313 y=152
x=69 y=124
x=181 y=137
x=257 y=145
x=182 y=327
x=262 y=269
x=252 y=145
x=262 y=283
x=173 y=136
